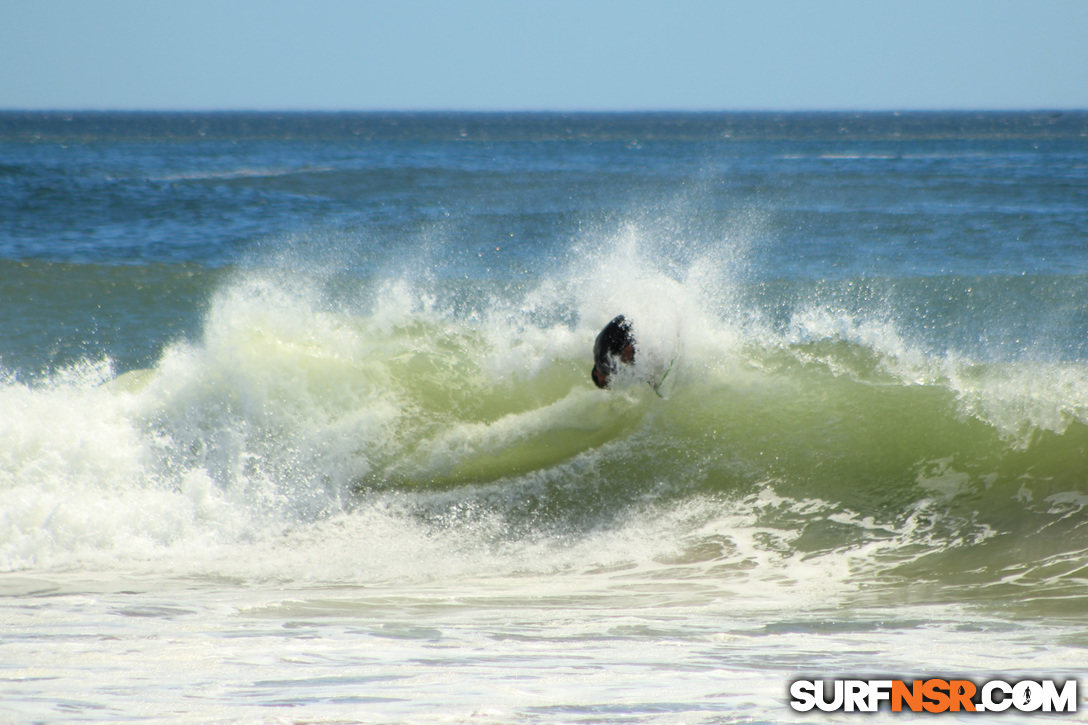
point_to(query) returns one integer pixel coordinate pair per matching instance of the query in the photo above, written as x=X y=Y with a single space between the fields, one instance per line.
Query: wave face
x=798 y=424
x=874 y=330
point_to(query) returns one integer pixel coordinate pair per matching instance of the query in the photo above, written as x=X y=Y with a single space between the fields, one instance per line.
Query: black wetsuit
x=615 y=342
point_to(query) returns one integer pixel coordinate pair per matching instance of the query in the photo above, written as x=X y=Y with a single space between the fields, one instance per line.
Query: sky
x=557 y=55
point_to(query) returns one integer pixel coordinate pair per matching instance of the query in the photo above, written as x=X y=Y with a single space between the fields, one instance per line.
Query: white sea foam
x=397 y=435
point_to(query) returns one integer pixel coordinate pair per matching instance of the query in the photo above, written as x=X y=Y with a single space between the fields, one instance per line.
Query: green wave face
x=826 y=436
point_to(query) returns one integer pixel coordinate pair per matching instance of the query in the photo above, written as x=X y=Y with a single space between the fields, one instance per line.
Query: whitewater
x=353 y=469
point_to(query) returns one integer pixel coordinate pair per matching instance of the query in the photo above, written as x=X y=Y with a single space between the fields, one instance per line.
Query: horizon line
x=539 y=112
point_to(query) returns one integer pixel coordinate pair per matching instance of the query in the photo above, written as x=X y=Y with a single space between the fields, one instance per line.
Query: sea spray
x=457 y=406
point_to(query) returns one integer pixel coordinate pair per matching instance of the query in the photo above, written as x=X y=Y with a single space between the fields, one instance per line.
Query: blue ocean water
x=295 y=411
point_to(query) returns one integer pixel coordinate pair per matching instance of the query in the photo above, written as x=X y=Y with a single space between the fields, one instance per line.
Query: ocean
x=296 y=420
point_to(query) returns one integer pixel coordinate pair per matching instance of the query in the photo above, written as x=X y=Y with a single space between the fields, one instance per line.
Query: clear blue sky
x=546 y=55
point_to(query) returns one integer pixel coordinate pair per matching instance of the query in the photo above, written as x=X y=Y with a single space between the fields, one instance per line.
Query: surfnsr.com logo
x=934 y=695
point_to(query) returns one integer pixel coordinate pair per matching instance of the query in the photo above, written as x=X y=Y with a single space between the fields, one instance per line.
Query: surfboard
x=656 y=384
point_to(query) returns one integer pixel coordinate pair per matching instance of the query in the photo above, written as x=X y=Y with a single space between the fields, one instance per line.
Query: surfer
x=615 y=342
